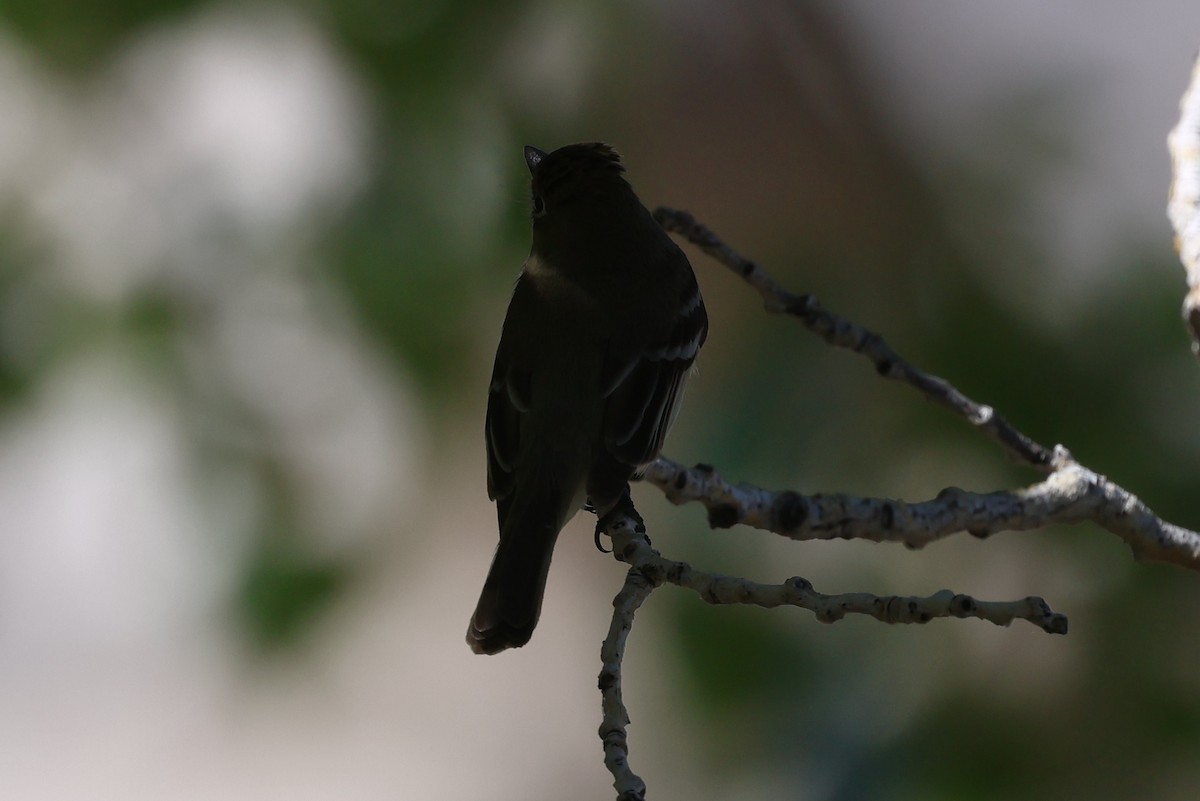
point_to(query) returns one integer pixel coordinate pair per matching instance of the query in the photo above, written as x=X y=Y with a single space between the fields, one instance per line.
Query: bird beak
x=533 y=157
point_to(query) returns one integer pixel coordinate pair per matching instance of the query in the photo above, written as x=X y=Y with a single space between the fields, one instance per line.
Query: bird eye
x=539 y=206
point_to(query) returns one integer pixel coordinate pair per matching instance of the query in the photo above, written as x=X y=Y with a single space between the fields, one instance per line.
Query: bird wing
x=508 y=400
x=642 y=382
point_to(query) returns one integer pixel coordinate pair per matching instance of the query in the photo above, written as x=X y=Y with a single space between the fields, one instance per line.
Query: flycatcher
x=604 y=323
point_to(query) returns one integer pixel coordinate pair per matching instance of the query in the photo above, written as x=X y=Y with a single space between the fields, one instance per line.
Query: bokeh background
x=253 y=264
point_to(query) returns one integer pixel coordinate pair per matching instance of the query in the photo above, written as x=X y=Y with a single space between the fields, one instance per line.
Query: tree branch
x=631 y=546
x=843 y=333
x=1068 y=493
x=1071 y=494
x=623 y=525
x=648 y=570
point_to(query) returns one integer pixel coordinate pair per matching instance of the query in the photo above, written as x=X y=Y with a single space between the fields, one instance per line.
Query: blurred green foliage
x=80 y=37
x=283 y=591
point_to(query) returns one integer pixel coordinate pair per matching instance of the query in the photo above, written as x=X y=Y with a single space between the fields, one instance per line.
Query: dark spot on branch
x=962 y=605
x=681 y=480
x=747 y=268
x=790 y=512
x=887 y=516
x=653 y=572
x=607 y=680
x=701 y=467
x=723 y=516
x=798 y=305
x=869 y=340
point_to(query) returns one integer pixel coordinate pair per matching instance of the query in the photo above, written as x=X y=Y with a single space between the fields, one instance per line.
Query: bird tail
x=511 y=600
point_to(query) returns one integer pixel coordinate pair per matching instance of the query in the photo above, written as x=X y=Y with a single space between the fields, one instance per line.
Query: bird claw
x=623 y=506
x=599 y=545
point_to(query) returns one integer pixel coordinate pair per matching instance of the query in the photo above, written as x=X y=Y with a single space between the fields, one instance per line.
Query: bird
x=604 y=324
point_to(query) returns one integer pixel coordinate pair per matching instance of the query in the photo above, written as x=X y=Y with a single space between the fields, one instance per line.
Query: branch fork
x=1068 y=492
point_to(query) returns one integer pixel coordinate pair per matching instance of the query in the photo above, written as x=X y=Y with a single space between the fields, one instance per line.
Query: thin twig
x=634 y=549
x=843 y=333
x=623 y=526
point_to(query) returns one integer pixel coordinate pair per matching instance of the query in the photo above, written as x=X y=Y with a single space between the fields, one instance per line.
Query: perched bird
x=604 y=323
